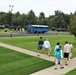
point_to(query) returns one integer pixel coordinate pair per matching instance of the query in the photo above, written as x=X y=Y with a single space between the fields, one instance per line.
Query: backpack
x=58 y=49
x=58 y=54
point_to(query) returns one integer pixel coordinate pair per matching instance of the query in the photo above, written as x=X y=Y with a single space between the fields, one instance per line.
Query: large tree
x=72 y=27
x=42 y=15
x=31 y=17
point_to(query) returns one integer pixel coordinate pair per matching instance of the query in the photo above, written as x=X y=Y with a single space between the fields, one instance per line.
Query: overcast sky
x=46 y=6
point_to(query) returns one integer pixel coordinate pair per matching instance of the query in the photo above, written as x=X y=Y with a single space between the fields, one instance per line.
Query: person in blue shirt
x=58 y=55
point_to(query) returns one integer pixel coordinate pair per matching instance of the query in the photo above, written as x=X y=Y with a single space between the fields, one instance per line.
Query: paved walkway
x=47 y=71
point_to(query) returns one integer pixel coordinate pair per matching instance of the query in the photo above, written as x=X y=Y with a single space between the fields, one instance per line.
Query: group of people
x=68 y=48
x=45 y=44
x=58 y=52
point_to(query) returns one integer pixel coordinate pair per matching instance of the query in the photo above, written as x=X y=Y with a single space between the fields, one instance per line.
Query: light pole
x=11 y=6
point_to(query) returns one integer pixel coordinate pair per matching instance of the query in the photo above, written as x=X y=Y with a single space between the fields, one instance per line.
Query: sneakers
x=61 y=67
x=38 y=55
x=59 y=62
x=55 y=68
x=66 y=64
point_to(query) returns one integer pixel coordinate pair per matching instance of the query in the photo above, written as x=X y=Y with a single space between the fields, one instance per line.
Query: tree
x=72 y=27
x=3 y=18
x=15 y=20
x=52 y=23
x=42 y=15
x=9 y=18
x=31 y=17
x=67 y=20
x=42 y=18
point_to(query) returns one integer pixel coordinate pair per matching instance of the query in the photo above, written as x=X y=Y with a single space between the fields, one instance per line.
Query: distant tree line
x=58 y=20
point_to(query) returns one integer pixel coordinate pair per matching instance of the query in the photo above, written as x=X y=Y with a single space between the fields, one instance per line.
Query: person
x=71 y=47
x=40 y=45
x=57 y=46
x=66 y=52
x=47 y=47
x=58 y=55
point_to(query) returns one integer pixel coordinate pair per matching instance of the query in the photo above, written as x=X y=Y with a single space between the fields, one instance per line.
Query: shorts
x=66 y=55
x=40 y=47
x=46 y=48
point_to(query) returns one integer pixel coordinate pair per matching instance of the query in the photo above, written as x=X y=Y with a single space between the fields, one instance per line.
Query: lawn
x=8 y=31
x=30 y=42
x=15 y=63
x=72 y=72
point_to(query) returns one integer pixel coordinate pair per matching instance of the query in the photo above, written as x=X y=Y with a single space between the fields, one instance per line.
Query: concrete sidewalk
x=52 y=71
x=27 y=52
x=47 y=71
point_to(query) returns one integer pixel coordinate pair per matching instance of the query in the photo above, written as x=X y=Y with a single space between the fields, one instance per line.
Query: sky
x=46 y=6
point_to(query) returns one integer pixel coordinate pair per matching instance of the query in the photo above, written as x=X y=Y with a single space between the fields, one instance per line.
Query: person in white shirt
x=47 y=47
x=67 y=50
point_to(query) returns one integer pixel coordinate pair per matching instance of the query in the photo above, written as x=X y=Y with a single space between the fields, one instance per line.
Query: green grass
x=72 y=72
x=2 y=31
x=30 y=42
x=15 y=63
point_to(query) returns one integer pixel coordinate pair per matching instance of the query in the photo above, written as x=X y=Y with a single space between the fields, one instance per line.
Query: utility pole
x=11 y=6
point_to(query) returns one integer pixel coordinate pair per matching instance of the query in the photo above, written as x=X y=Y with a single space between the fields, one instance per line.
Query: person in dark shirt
x=40 y=46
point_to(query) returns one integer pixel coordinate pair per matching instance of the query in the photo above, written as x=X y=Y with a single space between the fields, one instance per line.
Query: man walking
x=66 y=52
x=40 y=45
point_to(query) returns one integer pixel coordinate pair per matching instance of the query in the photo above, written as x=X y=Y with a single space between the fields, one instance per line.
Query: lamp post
x=11 y=6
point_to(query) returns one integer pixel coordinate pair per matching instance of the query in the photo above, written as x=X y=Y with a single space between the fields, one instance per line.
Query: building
x=37 y=28
x=2 y=26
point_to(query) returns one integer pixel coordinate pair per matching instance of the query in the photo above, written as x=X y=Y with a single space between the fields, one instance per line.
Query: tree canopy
x=72 y=27
x=59 y=20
